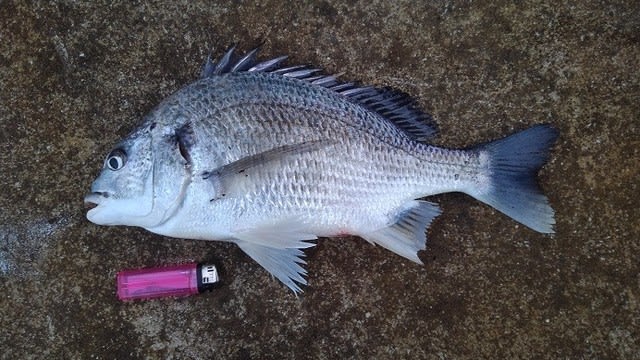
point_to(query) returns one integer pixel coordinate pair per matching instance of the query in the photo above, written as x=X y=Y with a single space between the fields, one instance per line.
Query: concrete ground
x=75 y=77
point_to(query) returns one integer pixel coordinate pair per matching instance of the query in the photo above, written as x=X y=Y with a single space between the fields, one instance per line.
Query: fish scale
x=272 y=157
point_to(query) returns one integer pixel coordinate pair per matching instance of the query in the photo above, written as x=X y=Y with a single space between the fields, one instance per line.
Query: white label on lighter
x=209 y=274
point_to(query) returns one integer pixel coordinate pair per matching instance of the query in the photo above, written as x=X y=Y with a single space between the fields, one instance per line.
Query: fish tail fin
x=513 y=165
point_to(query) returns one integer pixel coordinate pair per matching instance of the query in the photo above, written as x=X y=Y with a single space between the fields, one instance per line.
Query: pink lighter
x=176 y=280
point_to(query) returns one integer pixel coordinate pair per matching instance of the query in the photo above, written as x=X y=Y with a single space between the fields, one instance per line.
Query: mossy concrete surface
x=75 y=77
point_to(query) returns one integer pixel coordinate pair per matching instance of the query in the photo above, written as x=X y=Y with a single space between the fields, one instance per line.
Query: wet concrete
x=76 y=77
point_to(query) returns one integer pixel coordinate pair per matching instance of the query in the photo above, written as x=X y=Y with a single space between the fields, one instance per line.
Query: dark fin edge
x=397 y=107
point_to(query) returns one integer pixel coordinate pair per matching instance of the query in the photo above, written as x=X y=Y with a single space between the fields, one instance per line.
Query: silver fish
x=272 y=157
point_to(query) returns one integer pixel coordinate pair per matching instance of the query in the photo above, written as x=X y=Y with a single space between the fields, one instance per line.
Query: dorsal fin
x=395 y=106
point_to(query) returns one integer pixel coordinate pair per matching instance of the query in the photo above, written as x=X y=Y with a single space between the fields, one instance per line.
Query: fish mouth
x=94 y=199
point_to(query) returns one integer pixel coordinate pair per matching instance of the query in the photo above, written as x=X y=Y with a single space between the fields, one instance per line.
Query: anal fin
x=407 y=235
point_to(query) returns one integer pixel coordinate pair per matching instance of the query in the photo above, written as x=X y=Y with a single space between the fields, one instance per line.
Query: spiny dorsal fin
x=397 y=107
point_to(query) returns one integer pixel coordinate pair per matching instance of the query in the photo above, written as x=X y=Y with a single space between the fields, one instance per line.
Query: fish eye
x=116 y=159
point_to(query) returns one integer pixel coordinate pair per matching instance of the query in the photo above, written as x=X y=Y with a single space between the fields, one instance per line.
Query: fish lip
x=94 y=199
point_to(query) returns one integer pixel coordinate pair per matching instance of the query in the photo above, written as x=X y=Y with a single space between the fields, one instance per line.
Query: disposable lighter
x=169 y=281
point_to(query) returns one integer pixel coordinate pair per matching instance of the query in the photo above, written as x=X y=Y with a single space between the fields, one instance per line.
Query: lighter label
x=209 y=274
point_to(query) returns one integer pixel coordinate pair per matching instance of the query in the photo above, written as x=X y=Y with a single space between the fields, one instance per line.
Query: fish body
x=272 y=158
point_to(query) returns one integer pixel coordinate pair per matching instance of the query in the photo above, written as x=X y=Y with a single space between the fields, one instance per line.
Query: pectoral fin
x=227 y=177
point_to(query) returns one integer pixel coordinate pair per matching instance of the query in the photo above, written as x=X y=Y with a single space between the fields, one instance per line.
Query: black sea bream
x=272 y=157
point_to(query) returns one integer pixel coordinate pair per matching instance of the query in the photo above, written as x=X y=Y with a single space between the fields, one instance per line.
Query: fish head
x=142 y=180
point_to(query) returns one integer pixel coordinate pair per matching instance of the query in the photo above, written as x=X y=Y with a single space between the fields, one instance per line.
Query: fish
x=272 y=157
